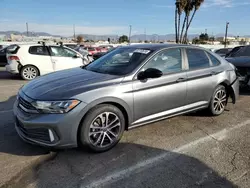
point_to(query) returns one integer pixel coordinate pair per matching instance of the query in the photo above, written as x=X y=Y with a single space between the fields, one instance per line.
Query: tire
x=218 y=101
x=98 y=139
x=29 y=72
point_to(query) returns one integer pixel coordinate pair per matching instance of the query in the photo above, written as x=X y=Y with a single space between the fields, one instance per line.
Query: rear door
x=201 y=75
x=65 y=58
x=40 y=57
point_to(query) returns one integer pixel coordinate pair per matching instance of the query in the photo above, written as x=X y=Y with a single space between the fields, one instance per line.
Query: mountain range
x=136 y=38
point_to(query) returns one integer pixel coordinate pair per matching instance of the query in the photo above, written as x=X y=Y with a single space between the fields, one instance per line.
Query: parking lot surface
x=193 y=150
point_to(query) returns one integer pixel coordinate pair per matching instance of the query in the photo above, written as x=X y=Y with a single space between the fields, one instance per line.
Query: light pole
x=74 y=32
x=130 y=28
x=27 y=28
x=226 y=35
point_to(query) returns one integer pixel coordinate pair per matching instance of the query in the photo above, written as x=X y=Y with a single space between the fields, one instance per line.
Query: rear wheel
x=218 y=101
x=102 y=128
x=29 y=72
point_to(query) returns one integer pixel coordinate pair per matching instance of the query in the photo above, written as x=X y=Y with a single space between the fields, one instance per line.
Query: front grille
x=26 y=104
x=38 y=134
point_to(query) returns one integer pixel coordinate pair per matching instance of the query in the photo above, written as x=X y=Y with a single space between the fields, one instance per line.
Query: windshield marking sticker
x=142 y=51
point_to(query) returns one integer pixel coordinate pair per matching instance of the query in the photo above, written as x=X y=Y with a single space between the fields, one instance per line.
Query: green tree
x=204 y=37
x=79 y=39
x=123 y=38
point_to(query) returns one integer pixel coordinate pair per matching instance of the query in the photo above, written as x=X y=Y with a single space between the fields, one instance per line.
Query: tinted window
x=245 y=51
x=197 y=59
x=222 y=51
x=38 y=50
x=120 y=61
x=61 y=51
x=213 y=59
x=167 y=61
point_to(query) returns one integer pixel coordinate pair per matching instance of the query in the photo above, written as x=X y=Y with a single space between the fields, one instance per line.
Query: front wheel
x=102 y=128
x=218 y=101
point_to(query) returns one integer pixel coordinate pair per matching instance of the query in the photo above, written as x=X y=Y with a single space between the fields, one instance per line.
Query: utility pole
x=74 y=31
x=145 y=35
x=27 y=28
x=130 y=28
x=226 y=35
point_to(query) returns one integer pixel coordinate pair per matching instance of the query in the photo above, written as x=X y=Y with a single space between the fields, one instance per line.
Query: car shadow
x=126 y=165
x=4 y=75
x=10 y=142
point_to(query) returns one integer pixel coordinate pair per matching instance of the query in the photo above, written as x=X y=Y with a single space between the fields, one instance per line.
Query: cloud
x=225 y=3
x=64 y=30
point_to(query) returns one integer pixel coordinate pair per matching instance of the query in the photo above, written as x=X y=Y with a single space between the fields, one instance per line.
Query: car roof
x=158 y=46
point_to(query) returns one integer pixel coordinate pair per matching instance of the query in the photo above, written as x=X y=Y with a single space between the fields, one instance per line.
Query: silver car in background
x=126 y=88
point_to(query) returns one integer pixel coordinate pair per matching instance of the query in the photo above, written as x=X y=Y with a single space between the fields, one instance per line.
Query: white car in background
x=34 y=60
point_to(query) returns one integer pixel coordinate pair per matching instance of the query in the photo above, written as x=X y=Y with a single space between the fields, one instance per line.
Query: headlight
x=55 y=107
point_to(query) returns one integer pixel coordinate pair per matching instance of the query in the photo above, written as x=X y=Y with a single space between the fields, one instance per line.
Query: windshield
x=120 y=61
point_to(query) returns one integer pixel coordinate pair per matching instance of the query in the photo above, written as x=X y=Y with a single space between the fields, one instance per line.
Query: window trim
x=49 y=54
x=156 y=53
x=187 y=62
x=211 y=63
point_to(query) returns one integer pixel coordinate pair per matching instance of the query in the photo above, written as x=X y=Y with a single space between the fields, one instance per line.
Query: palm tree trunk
x=185 y=35
x=182 y=30
x=179 y=27
x=189 y=23
x=176 y=31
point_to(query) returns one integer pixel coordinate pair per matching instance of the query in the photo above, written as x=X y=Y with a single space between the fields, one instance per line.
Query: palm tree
x=188 y=8
x=176 y=31
x=196 y=5
x=180 y=5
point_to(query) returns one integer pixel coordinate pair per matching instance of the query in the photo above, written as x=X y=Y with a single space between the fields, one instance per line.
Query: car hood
x=66 y=84
x=239 y=61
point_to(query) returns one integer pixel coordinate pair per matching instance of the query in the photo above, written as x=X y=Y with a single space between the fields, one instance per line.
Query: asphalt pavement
x=194 y=150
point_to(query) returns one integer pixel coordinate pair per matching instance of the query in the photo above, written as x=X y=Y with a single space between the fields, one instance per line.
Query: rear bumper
x=12 y=68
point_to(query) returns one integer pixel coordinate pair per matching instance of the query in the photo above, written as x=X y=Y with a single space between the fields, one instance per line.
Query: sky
x=101 y=17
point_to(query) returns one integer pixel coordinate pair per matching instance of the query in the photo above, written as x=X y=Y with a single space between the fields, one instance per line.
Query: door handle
x=181 y=79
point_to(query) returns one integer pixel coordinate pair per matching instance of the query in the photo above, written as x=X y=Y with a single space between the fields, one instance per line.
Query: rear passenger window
x=197 y=59
x=213 y=59
x=38 y=50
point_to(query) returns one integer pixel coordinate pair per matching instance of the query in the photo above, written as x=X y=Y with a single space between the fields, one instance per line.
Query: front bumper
x=50 y=130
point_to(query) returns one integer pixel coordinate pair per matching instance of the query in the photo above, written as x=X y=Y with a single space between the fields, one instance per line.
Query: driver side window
x=167 y=61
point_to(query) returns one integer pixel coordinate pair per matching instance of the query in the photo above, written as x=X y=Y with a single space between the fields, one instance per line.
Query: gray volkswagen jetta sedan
x=126 y=88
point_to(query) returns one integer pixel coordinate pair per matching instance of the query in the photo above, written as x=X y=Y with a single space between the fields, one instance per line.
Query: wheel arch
x=229 y=90
x=120 y=104
x=22 y=66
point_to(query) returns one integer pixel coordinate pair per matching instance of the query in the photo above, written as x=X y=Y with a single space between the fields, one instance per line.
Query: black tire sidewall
x=211 y=106
x=91 y=115
x=21 y=72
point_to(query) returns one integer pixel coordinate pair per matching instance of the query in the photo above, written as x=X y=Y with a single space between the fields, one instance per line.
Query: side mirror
x=76 y=56
x=149 y=73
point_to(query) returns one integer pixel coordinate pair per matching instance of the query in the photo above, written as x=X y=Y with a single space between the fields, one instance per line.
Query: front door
x=64 y=58
x=155 y=98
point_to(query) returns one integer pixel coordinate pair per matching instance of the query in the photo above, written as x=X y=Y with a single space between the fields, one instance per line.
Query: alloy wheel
x=220 y=101
x=29 y=73
x=104 y=129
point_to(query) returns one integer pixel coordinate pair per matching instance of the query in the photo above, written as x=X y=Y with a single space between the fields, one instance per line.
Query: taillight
x=13 y=58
